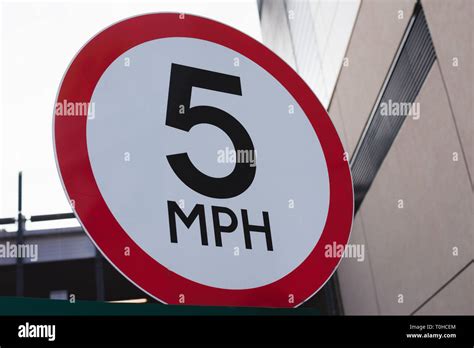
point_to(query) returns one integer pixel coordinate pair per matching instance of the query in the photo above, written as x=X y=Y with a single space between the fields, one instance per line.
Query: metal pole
x=20 y=240
x=99 y=276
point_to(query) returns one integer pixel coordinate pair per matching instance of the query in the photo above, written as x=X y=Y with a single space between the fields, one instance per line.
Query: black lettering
x=198 y=210
x=218 y=228
x=253 y=228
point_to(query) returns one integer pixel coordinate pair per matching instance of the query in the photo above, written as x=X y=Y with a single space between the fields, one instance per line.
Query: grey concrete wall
x=416 y=256
x=375 y=38
x=443 y=301
x=411 y=249
x=451 y=25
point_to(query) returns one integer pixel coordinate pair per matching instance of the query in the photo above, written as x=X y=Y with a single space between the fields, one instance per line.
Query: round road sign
x=201 y=165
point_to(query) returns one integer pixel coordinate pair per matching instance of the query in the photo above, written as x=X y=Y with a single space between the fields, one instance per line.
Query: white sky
x=38 y=41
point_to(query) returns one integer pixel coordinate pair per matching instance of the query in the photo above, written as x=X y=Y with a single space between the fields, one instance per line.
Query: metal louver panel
x=407 y=74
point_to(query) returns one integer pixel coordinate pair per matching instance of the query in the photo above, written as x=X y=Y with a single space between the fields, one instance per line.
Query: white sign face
x=199 y=166
x=136 y=180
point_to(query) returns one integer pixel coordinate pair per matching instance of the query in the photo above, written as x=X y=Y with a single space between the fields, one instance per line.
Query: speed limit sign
x=201 y=165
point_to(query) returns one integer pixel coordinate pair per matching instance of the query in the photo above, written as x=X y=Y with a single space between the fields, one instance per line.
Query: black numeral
x=182 y=80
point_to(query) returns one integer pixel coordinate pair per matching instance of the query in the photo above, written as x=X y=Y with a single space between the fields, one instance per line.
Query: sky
x=37 y=42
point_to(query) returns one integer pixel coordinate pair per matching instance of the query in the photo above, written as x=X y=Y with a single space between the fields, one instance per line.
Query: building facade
x=412 y=173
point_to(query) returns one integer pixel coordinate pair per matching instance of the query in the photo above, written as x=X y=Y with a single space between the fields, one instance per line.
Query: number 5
x=182 y=80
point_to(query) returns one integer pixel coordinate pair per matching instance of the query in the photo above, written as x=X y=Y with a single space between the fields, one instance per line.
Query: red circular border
x=78 y=179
